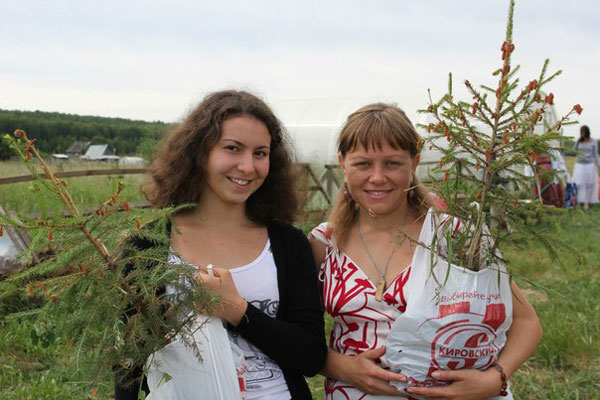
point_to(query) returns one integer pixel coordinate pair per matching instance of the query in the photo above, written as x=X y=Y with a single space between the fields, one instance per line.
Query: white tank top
x=256 y=282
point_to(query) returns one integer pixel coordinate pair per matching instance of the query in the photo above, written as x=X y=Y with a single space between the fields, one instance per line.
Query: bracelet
x=504 y=387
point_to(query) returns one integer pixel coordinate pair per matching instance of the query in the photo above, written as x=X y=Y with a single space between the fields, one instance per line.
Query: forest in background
x=56 y=132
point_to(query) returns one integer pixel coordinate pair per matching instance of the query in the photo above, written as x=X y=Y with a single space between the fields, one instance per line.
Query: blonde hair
x=371 y=126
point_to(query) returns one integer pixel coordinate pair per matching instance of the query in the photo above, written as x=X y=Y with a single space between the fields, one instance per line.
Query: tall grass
x=88 y=191
x=91 y=190
x=36 y=370
x=566 y=364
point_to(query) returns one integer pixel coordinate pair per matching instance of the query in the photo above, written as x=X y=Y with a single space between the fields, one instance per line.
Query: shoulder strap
x=322 y=233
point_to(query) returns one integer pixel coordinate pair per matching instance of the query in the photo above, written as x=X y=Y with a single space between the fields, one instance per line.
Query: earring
x=346 y=193
x=411 y=191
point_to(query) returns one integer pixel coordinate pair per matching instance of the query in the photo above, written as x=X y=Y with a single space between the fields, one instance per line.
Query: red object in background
x=552 y=193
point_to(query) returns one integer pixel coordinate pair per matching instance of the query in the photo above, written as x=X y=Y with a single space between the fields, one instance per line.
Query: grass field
x=87 y=191
x=566 y=295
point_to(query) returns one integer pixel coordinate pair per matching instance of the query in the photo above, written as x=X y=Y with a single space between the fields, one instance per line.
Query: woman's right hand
x=232 y=306
x=362 y=372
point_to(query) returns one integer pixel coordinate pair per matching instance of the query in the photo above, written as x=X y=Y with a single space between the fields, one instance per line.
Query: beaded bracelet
x=504 y=387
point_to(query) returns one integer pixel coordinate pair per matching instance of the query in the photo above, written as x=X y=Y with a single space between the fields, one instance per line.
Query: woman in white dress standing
x=585 y=174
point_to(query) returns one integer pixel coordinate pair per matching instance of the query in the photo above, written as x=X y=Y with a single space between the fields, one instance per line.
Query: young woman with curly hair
x=230 y=156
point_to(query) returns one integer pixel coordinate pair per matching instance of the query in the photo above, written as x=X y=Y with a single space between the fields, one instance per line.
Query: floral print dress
x=361 y=323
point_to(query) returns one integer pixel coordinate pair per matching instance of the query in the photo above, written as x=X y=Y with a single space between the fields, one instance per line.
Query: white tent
x=130 y=161
x=314 y=125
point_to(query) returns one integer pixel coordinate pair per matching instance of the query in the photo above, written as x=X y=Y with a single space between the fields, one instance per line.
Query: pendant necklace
x=381 y=283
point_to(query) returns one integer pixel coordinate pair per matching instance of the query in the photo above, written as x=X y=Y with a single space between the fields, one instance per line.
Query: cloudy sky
x=153 y=60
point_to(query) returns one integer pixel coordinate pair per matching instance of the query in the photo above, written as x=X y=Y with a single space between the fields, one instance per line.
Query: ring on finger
x=198 y=275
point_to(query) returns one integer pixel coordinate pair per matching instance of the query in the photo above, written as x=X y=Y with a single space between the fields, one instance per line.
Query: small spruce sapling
x=100 y=293
x=485 y=144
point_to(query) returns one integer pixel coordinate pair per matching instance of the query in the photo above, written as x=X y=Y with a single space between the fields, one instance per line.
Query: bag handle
x=425 y=238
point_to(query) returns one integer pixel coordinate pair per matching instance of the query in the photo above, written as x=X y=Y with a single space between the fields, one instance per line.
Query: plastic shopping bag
x=176 y=373
x=459 y=324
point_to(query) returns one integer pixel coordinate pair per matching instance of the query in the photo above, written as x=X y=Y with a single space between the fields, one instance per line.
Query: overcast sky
x=153 y=60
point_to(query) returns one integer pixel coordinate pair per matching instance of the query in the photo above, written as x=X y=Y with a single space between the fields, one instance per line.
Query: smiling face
x=238 y=163
x=379 y=178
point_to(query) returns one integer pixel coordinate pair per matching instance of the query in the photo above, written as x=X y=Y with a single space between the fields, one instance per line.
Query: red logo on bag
x=464 y=339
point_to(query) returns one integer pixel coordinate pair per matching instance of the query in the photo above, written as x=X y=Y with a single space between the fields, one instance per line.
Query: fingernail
x=435 y=374
x=403 y=378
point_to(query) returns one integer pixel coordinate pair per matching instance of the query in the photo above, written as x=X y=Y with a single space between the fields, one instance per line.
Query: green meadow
x=565 y=293
x=87 y=191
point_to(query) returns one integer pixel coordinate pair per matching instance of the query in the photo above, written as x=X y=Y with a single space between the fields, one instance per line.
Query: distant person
x=231 y=158
x=585 y=174
x=552 y=172
x=552 y=192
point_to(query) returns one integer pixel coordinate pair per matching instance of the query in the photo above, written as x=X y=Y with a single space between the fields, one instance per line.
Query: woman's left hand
x=467 y=384
x=232 y=306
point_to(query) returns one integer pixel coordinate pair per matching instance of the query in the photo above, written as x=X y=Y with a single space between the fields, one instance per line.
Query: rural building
x=99 y=152
x=78 y=148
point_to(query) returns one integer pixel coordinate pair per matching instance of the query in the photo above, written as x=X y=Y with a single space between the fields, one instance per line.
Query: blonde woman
x=364 y=265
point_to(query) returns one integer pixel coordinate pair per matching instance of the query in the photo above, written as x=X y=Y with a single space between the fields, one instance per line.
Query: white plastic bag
x=462 y=327
x=176 y=373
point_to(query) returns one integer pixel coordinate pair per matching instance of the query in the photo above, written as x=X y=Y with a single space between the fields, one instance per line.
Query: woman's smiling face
x=379 y=178
x=238 y=163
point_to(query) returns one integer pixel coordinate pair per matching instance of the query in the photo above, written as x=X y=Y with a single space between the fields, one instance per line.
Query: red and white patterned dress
x=360 y=322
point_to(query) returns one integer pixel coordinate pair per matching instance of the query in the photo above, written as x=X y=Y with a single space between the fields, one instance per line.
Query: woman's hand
x=232 y=306
x=467 y=384
x=521 y=340
x=361 y=372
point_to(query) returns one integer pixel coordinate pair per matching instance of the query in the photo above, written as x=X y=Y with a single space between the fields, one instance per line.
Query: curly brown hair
x=178 y=172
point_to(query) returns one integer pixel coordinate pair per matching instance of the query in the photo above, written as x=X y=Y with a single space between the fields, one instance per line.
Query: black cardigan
x=295 y=338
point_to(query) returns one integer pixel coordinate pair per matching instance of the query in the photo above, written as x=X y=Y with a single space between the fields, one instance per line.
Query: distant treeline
x=56 y=132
